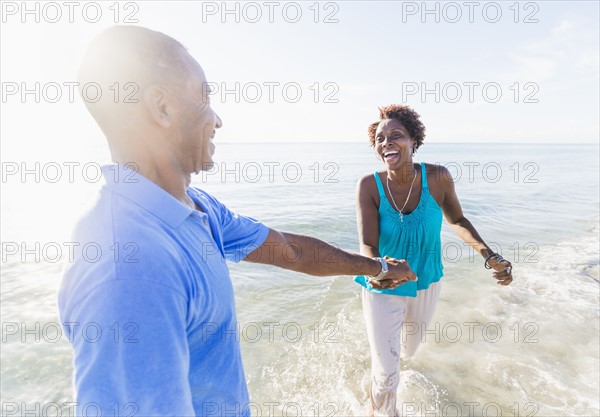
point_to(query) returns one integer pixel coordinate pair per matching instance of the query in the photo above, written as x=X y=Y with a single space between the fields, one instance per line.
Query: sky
x=485 y=72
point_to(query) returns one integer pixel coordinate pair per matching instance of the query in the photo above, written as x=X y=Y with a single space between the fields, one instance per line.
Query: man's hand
x=399 y=273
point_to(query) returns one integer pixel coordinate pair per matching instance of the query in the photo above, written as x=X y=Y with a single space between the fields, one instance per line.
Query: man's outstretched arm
x=314 y=257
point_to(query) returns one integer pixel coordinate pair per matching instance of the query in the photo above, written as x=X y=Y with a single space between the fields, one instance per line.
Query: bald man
x=152 y=319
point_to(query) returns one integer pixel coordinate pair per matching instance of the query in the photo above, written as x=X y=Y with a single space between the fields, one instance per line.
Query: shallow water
x=529 y=349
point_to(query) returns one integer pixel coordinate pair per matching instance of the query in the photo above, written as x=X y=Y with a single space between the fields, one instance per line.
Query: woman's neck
x=404 y=174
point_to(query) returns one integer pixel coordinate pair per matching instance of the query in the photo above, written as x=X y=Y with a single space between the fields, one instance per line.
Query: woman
x=399 y=213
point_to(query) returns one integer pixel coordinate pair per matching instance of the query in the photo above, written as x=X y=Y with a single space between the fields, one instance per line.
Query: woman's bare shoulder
x=369 y=180
x=437 y=173
x=368 y=185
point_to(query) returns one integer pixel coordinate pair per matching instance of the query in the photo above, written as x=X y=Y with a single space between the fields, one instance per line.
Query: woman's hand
x=502 y=268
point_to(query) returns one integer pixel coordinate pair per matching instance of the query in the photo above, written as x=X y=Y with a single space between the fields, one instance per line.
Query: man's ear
x=158 y=105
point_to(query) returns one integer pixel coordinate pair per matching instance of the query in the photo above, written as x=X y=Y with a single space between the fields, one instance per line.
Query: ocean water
x=531 y=349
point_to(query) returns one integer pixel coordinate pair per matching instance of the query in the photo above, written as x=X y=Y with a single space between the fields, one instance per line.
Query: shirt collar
x=125 y=180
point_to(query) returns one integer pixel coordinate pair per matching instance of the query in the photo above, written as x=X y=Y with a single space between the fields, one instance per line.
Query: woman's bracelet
x=487 y=265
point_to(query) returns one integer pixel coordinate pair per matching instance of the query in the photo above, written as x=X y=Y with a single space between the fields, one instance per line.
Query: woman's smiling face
x=393 y=143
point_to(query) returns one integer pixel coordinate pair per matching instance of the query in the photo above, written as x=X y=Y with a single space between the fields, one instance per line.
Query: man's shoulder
x=211 y=203
x=113 y=216
x=207 y=198
x=115 y=240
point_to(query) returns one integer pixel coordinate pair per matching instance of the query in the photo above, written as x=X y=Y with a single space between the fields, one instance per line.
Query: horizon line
x=437 y=143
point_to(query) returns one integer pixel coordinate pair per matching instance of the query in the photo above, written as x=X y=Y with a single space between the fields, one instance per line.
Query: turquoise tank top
x=416 y=239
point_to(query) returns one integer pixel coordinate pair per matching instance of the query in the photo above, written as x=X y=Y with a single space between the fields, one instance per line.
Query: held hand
x=502 y=268
x=399 y=273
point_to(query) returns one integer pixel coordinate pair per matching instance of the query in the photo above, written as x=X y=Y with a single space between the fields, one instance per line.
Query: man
x=152 y=317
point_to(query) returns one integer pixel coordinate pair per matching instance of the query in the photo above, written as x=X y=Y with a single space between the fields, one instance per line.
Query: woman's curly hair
x=405 y=115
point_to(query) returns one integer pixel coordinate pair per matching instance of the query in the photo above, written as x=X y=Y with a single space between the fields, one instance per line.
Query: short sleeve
x=241 y=234
x=131 y=350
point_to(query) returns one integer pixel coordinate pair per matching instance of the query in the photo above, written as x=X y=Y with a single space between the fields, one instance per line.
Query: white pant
x=394 y=324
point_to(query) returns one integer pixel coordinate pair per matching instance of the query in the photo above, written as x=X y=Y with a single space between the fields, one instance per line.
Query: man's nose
x=219 y=122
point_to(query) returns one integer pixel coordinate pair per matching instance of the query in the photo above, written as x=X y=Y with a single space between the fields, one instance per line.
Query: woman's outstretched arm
x=466 y=231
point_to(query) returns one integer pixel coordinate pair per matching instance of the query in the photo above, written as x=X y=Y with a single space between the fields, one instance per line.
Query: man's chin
x=206 y=166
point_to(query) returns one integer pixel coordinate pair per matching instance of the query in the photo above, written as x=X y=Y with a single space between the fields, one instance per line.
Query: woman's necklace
x=409 y=191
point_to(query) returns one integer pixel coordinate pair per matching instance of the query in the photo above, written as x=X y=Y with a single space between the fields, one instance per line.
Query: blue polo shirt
x=148 y=304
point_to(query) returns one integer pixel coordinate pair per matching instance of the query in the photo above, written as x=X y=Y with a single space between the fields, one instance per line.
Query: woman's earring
x=414 y=151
